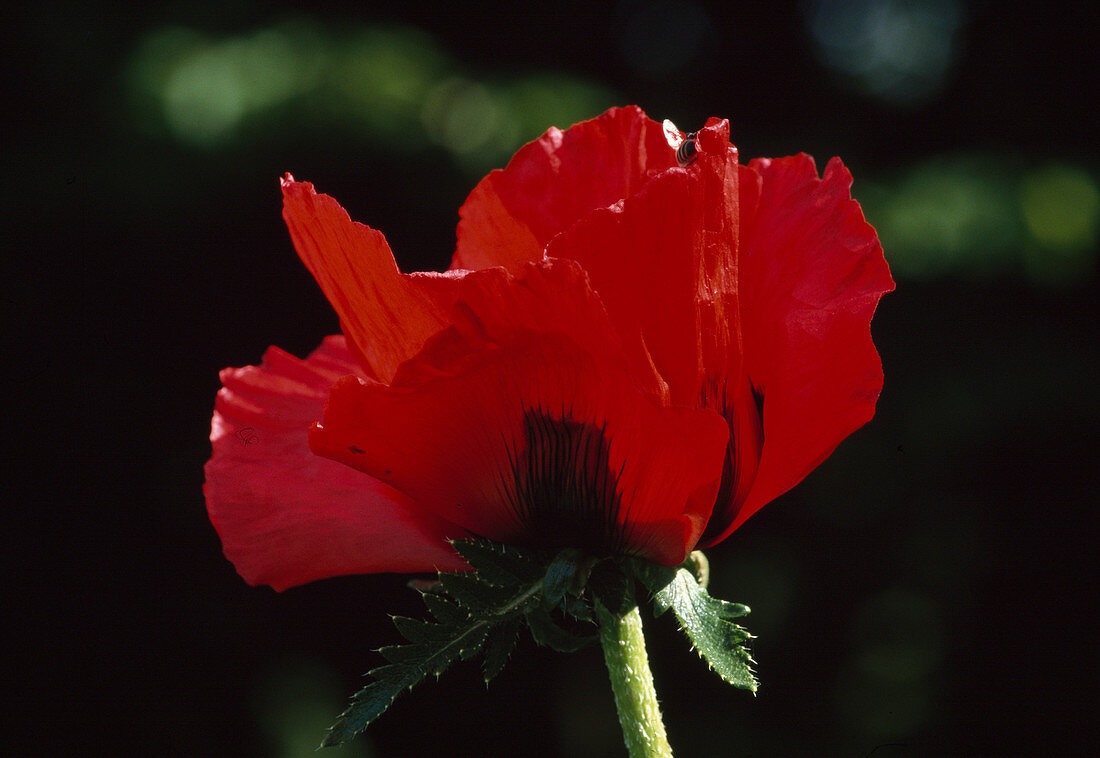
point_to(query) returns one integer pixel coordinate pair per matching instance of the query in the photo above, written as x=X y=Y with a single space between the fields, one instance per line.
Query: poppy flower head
x=628 y=355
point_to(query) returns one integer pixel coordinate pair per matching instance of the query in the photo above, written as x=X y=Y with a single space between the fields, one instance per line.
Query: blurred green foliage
x=983 y=215
x=392 y=86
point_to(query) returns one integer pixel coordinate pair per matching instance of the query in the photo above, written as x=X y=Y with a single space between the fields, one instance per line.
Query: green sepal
x=566 y=573
x=578 y=608
x=705 y=620
x=549 y=634
x=612 y=586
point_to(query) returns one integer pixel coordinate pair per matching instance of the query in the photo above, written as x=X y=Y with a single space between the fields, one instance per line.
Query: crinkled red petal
x=812 y=273
x=550 y=296
x=386 y=315
x=554 y=181
x=528 y=393
x=287 y=516
x=664 y=263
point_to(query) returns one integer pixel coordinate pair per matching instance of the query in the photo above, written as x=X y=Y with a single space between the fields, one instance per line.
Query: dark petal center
x=564 y=490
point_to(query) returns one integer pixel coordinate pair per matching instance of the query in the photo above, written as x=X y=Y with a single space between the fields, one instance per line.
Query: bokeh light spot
x=381 y=78
x=948 y=215
x=984 y=215
x=157 y=56
x=204 y=96
x=898 y=50
x=539 y=100
x=1061 y=208
x=205 y=89
x=461 y=115
x=295 y=702
x=390 y=86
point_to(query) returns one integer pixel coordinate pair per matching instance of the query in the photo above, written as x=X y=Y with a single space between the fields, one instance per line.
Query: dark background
x=924 y=592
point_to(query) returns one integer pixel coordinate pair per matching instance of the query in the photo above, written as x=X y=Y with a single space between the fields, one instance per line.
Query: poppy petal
x=287 y=516
x=812 y=273
x=386 y=315
x=553 y=296
x=547 y=443
x=664 y=263
x=734 y=399
x=554 y=181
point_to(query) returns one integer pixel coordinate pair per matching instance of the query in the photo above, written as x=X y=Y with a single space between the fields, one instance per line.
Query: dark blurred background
x=924 y=592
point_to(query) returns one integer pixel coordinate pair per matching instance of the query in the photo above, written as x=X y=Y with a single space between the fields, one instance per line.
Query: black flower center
x=564 y=489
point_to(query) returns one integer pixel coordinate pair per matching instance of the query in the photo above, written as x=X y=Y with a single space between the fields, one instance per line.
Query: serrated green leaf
x=499 y=645
x=730 y=610
x=466 y=610
x=415 y=630
x=474 y=645
x=663 y=599
x=547 y=633
x=445 y=610
x=472 y=613
x=705 y=620
x=389 y=681
x=477 y=597
x=401 y=653
x=499 y=565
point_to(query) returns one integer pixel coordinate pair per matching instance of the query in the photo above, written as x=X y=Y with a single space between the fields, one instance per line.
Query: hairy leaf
x=499 y=646
x=475 y=596
x=472 y=612
x=417 y=661
x=499 y=565
x=705 y=620
x=445 y=610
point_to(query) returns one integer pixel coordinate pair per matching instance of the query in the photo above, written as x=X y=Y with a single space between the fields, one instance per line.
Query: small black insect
x=686 y=152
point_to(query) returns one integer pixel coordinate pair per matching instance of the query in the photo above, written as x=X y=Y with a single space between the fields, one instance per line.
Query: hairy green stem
x=631 y=681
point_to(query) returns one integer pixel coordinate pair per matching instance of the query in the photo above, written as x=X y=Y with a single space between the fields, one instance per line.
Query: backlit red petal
x=812 y=273
x=386 y=315
x=553 y=295
x=664 y=263
x=287 y=516
x=554 y=181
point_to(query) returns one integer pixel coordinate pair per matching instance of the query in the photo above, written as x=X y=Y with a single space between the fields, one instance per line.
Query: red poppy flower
x=627 y=356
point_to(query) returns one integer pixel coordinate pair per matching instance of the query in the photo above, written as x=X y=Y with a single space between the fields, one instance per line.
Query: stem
x=631 y=681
